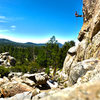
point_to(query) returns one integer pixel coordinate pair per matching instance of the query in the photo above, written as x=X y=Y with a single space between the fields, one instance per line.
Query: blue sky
x=38 y=20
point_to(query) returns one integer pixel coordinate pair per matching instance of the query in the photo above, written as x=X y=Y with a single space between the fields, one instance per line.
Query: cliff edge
x=85 y=57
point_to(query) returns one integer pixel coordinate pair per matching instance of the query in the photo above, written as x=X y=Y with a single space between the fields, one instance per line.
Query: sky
x=38 y=20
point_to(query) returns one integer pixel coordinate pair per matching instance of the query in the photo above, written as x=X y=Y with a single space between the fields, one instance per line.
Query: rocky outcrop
x=21 y=96
x=83 y=61
x=86 y=91
x=30 y=79
x=12 y=88
x=81 y=69
x=91 y=25
x=7 y=60
x=17 y=83
x=19 y=86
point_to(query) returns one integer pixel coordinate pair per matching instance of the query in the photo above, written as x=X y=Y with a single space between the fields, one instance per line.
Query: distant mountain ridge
x=27 y=44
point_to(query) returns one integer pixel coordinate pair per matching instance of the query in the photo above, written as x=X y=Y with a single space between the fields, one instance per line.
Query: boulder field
x=7 y=60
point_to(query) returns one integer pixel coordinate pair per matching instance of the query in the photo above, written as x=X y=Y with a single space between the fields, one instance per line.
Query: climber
x=77 y=15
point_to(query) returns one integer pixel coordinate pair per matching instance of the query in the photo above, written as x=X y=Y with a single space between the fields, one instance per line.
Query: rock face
x=21 y=96
x=29 y=79
x=7 y=60
x=86 y=91
x=86 y=70
x=17 y=83
x=35 y=79
x=82 y=62
x=12 y=88
x=90 y=31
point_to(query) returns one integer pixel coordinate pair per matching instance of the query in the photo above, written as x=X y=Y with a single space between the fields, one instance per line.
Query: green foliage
x=63 y=52
x=72 y=43
x=41 y=57
x=4 y=71
x=52 y=40
x=52 y=50
x=31 y=68
x=47 y=70
x=19 y=68
x=33 y=59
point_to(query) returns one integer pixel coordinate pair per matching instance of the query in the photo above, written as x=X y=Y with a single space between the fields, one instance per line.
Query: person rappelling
x=77 y=15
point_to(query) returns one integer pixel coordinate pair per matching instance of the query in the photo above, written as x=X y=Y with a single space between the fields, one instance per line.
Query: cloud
x=3 y=21
x=3 y=31
x=14 y=18
x=2 y=17
x=13 y=27
x=61 y=40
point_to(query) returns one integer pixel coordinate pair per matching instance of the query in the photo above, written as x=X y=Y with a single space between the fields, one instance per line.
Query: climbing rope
x=77 y=14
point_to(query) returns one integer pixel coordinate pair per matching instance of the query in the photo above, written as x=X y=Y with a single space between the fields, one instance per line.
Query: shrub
x=19 y=68
x=4 y=71
x=47 y=70
x=31 y=68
